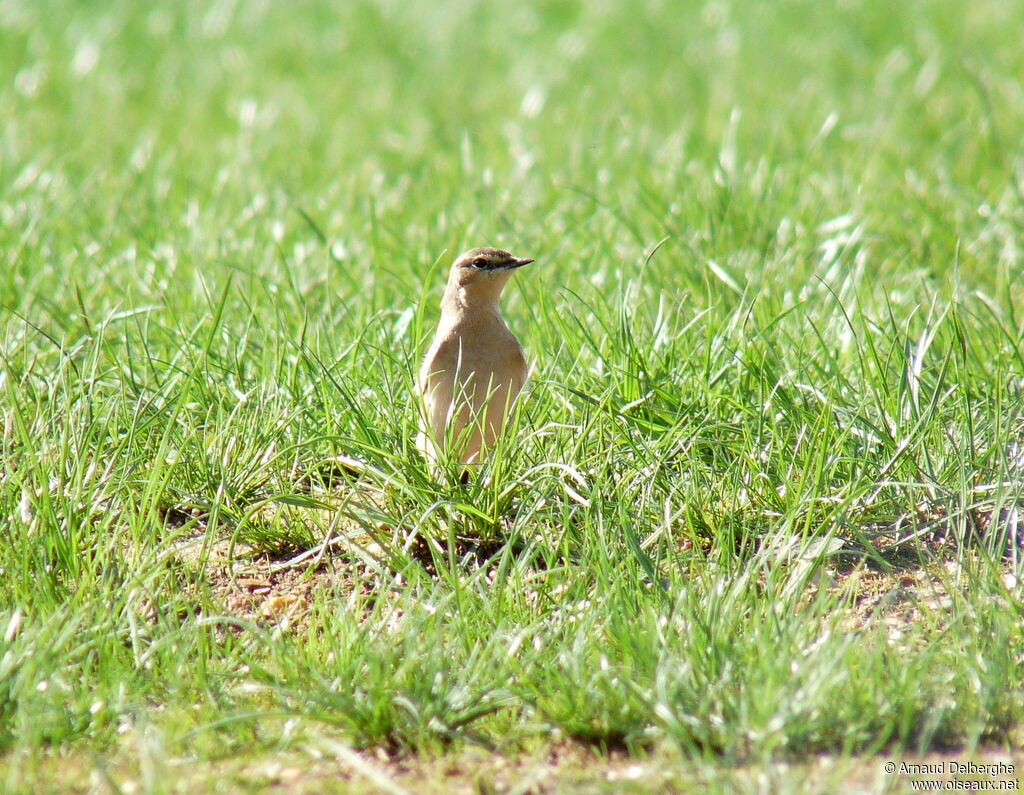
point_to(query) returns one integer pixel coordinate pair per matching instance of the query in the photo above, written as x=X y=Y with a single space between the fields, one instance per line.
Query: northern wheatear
x=474 y=368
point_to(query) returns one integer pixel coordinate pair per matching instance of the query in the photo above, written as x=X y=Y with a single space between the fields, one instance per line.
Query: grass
x=776 y=326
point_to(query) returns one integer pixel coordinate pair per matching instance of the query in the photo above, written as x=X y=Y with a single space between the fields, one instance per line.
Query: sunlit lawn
x=760 y=501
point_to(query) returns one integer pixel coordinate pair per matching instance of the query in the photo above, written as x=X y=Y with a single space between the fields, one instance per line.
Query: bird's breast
x=476 y=352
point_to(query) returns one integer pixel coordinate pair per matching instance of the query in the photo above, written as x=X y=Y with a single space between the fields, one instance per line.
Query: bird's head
x=483 y=272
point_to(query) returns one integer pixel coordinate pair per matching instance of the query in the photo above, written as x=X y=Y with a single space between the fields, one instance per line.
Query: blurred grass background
x=587 y=131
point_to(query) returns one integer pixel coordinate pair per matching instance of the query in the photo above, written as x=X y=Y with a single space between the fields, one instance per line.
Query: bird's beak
x=518 y=263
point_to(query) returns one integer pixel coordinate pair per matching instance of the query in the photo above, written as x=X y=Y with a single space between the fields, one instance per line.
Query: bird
x=475 y=368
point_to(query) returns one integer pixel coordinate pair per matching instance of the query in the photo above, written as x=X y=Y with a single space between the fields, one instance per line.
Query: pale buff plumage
x=475 y=367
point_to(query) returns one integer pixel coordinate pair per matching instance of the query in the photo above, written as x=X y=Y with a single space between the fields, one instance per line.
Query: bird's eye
x=479 y=263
